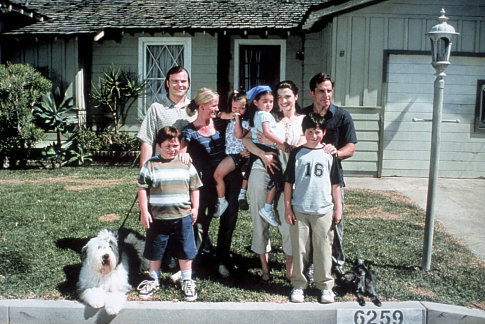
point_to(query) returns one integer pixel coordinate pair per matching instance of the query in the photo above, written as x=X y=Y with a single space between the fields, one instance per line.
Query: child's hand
x=146 y=219
x=290 y=217
x=194 y=212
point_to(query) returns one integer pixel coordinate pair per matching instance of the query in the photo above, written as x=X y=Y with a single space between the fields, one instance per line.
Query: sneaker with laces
x=297 y=296
x=220 y=208
x=243 y=202
x=223 y=271
x=268 y=216
x=327 y=296
x=146 y=288
x=188 y=287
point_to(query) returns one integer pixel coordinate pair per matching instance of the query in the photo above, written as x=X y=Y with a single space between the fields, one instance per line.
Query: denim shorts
x=174 y=234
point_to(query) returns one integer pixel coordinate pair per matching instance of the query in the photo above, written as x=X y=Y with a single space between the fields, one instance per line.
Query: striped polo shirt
x=170 y=183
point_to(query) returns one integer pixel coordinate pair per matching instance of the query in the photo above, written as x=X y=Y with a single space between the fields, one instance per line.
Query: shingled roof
x=66 y=17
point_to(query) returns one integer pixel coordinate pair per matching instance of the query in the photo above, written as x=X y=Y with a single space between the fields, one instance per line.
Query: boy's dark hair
x=175 y=70
x=319 y=78
x=313 y=120
x=167 y=133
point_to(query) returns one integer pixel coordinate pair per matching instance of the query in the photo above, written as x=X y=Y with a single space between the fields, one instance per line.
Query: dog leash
x=129 y=211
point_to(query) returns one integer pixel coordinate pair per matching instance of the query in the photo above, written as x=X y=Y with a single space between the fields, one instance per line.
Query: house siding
x=358 y=41
x=56 y=57
x=410 y=91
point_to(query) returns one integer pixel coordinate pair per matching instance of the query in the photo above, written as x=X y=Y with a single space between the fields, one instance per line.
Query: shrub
x=21 y=87
x=91 y=141
x=115 y=89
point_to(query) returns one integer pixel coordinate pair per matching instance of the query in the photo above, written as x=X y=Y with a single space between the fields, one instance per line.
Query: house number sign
x=380 y=316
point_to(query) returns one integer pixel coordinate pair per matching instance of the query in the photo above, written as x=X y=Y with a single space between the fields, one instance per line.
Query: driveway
x=460 y=204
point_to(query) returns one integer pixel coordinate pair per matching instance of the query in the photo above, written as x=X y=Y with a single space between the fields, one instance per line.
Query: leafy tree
x=115 y=89
x=21 y=87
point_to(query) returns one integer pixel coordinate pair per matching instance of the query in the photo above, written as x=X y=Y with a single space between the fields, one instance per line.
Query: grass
x=47 y=216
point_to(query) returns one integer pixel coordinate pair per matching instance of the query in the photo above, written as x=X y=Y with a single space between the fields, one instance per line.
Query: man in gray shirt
x=169 y=112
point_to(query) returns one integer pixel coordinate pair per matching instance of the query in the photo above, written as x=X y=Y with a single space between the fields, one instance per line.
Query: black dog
x=363 y=281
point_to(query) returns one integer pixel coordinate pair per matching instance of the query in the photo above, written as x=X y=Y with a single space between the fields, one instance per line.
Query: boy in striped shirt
x=168 y=192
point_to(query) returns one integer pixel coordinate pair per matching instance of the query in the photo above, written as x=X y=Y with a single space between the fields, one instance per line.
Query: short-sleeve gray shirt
x=165 y=113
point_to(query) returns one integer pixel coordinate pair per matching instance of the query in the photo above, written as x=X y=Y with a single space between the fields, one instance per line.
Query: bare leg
x=270 y=195
x=155 y=265
x=225 y=167
x=185 y=264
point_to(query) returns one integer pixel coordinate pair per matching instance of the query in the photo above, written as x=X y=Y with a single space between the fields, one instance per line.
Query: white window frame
x=239 y=42
x=146 y=41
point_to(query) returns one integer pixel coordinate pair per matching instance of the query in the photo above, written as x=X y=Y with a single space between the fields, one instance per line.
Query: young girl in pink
x=236 y=129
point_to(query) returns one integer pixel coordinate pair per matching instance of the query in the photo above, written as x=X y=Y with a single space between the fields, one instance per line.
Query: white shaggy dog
x=104 y=277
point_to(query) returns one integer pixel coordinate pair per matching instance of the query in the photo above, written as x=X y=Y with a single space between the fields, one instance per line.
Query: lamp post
x=440 y=36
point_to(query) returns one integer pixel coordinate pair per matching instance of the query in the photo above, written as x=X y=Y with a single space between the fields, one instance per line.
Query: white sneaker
x=297 y=296
x=146 y=288
x=327 y=296
x=188 y=287
x=220 y=208
x=223 y=271
x=269 y=217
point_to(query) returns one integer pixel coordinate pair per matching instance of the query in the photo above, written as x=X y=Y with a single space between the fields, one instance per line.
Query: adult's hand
x=185 y=158
x=329 y=148
x=269 y=161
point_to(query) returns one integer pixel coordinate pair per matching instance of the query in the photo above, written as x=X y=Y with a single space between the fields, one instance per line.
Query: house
x=377 y=52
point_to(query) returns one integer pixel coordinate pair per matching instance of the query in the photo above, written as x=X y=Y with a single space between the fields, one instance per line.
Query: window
x=258 y=61
x=157 y=56
x=480 y=109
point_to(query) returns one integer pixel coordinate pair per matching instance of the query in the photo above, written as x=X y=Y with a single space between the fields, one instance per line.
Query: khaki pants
x=257 y=183
x=312 y=233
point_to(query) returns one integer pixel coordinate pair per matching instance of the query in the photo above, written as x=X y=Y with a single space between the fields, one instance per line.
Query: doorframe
x=238 y=42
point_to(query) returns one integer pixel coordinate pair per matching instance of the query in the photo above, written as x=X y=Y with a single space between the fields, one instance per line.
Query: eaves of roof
x=91 y=16
x=9 y=7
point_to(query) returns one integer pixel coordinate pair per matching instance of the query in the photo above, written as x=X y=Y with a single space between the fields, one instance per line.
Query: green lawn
x=47 y=215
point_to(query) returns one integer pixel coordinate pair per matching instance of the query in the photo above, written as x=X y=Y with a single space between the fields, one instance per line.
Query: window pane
x=480 y=107
x=259 y=64
x=159 y=59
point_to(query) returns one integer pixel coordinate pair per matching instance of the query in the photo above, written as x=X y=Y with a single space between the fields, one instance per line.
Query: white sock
x=186 y=274
x=154 y=274
x=222 y=199
x=267 y=207
x=242 y=192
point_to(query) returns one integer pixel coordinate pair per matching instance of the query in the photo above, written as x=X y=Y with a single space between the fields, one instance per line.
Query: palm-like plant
x=53 y=113
x=113 y=92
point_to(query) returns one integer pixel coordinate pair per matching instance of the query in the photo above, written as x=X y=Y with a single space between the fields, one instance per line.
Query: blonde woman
x=204 y=140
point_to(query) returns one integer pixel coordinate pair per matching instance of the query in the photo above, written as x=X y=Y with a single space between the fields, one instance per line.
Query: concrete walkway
x=459 y=204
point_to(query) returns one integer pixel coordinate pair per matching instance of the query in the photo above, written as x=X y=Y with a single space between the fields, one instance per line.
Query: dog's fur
x=109 y=260
x=362 y=281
